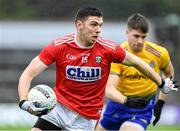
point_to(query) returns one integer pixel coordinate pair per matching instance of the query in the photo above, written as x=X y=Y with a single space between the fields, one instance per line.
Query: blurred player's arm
x=111 y=89
x=35 y=67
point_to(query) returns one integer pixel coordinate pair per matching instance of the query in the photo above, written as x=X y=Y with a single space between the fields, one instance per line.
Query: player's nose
x=98 y=29
x=140 y=40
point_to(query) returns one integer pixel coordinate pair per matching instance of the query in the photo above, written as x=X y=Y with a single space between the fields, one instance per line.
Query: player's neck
x=81 y=42
x=135 y=51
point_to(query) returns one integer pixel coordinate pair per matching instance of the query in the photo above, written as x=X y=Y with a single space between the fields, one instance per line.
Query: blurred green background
x=28 y=25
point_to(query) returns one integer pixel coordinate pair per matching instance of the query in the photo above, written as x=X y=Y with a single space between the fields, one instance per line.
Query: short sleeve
x=115 y=68
x=47 y=55
x=118 y=55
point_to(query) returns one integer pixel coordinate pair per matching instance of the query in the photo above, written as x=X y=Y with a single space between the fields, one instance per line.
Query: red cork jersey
x=82 y=73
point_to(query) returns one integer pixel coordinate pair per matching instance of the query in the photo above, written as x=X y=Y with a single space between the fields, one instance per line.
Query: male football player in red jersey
x=82 y=68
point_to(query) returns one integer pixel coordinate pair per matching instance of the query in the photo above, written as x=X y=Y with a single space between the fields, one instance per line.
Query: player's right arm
x=111 y=89
x=114 y=94
x=35 y=67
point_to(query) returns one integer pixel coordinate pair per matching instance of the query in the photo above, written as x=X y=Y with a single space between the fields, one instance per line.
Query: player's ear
x=78 y=24
x=127 y=31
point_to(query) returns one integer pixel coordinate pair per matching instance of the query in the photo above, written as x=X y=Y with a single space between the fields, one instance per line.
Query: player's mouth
x=94 y=37
x=137 y=45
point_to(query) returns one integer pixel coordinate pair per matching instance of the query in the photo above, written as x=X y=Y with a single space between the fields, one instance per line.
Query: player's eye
x=137 y=36
x=100 y=25
x=93 y=24
x=143 y=37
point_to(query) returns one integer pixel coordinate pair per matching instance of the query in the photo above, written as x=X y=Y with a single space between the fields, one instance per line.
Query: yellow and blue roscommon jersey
x=134 y=83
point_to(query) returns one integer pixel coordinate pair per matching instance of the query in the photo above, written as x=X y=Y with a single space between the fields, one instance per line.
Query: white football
x=44 y=95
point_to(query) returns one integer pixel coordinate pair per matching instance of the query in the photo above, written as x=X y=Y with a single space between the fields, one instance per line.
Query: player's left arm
x=167 y=69
x=111 y=89
x=168 y=72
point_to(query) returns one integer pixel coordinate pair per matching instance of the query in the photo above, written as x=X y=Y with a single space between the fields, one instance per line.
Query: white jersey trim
x=65 y=39
x=107 y=43
x=81 y=46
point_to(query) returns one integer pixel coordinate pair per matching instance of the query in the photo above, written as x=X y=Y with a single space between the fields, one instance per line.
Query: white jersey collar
x=81 y=46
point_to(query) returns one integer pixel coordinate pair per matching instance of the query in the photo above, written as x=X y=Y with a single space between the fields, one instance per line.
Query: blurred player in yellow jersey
x=132 y=94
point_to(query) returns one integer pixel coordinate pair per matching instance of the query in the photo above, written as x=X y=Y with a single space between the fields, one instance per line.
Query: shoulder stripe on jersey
x=107 y=43
x=153 y=51
x=66 y=39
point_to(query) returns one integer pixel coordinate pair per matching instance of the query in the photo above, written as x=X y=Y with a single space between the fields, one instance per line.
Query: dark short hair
x=87 y=11
x=138 y=22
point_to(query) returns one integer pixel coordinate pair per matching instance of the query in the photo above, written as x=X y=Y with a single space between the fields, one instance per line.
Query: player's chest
x=84 y=58
x=83 y=65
